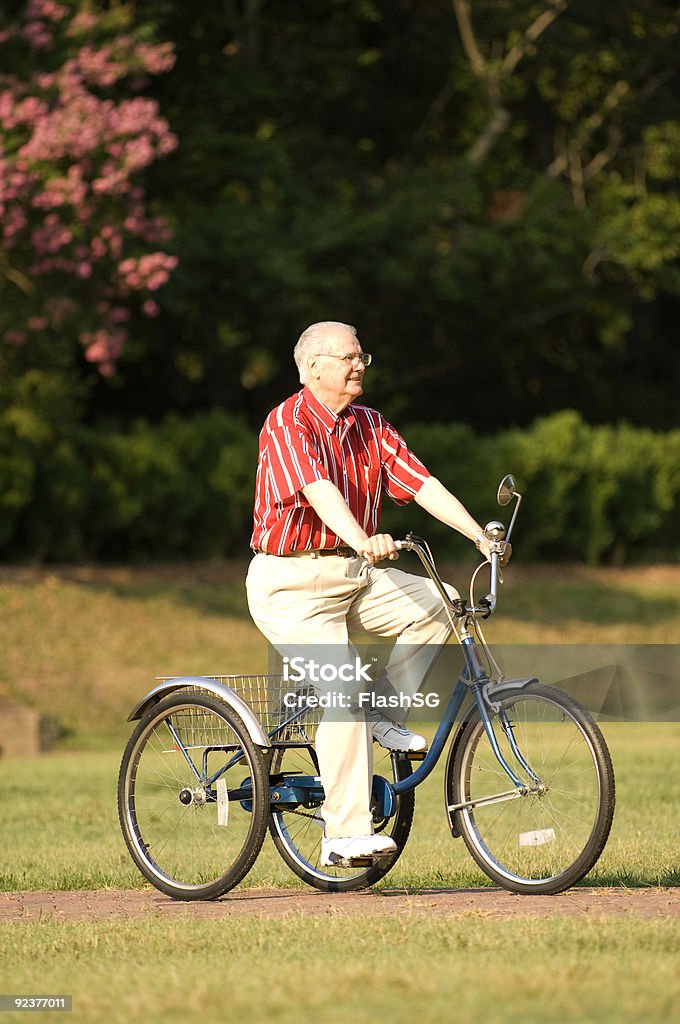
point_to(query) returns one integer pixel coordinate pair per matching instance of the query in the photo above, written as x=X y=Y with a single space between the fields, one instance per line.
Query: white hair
x=308 y=341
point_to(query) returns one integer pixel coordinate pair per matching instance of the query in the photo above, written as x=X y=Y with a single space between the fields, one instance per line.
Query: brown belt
x=342 y=552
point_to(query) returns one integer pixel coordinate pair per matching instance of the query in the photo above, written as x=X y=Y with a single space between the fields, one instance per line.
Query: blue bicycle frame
x=473 y=679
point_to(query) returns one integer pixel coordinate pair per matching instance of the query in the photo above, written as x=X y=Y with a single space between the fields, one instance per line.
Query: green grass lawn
x=84 y=644
x=336 y=970
x=60 y=826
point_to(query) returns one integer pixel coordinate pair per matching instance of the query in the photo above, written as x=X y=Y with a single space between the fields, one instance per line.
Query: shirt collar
x=328 y=419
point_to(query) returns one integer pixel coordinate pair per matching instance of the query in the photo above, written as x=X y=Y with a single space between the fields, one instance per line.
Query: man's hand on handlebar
x=486 y=545
x=506 y=554
x=379 y=546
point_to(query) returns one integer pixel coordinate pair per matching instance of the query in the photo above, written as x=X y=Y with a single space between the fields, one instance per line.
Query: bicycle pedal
x=416 y=755
x=350 y=862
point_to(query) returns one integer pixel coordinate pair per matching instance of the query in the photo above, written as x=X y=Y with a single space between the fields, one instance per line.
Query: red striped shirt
x=303 y=441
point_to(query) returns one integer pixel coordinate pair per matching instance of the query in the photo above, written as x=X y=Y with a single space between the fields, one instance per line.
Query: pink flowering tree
x=79 y=251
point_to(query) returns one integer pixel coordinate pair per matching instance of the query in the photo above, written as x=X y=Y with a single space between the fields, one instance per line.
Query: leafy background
x=487 y=189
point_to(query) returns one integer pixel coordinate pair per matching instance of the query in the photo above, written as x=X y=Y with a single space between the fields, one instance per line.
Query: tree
x=80 y=253
x=456 y=178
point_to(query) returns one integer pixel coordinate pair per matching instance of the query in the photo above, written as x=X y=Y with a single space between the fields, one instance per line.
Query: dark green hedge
x=183 y=488
x=180 y=489
x=594 y=494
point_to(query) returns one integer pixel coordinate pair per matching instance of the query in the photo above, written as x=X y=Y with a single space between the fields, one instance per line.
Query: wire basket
x=280 y=705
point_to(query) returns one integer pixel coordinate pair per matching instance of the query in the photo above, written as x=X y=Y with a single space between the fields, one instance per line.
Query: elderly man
x=324 y=464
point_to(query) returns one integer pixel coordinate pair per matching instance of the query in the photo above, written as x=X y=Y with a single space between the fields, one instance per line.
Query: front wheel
x=193 y=797
x=546 y=837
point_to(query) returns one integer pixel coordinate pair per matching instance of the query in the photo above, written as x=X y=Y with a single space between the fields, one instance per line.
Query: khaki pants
x=311 y=600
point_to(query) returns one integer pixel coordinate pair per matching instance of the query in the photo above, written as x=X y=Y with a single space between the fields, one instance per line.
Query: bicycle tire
x=177 y=834
x=297 y=833
x=540 y=843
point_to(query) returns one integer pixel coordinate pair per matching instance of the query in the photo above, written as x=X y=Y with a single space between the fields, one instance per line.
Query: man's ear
x=313 y=367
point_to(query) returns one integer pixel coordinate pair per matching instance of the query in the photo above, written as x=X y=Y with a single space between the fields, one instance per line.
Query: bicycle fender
x=243 y=710
x=509 y=687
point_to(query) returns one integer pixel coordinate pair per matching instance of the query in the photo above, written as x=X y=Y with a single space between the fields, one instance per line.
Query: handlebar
x=420 y=548
x=496 y=537
x=494 y=533
x=494 y=578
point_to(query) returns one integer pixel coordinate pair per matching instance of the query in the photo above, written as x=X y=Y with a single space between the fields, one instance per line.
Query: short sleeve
x=403 y=472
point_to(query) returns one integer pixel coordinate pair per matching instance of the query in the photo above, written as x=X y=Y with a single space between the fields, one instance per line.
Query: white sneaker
x=394 y=736
x=341 y=852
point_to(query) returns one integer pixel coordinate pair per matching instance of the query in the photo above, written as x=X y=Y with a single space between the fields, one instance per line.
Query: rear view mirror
x=506 y=490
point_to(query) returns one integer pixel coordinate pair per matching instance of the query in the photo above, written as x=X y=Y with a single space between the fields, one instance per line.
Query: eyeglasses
x=353 y=357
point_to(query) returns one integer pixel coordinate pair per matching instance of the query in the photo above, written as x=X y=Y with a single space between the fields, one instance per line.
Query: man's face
x=337 y=381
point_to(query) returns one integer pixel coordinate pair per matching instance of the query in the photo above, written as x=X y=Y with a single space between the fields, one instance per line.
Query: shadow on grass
x=217 y=589
x=590 y=602
x=552 y=595
x=622 y=879
x=607 y=880
x=472 y=881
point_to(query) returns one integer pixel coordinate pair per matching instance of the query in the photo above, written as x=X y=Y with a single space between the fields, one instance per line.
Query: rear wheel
x=297 y=832
x=546 y=839
x=193 y=797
